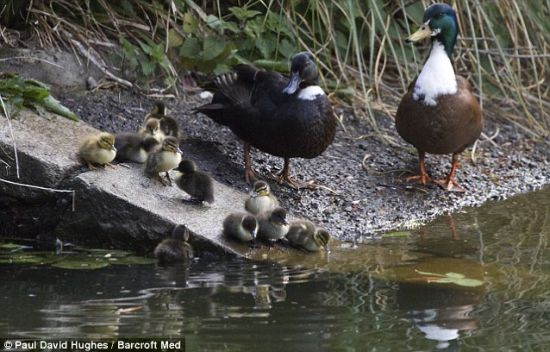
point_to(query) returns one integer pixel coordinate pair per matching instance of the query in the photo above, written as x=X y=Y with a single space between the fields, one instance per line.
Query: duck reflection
x=441 y=313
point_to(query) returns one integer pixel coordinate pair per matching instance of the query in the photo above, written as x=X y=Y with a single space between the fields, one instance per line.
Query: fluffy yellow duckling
x=98 y=149
x=164 y=159
x=261 y=200
x=152 y=129
x=305 y=235
x=168 y=126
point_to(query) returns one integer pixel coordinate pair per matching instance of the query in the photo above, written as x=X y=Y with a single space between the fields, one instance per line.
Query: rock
x=122 y=208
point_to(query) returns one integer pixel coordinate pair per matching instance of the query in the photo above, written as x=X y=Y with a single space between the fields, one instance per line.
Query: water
x=378 y=297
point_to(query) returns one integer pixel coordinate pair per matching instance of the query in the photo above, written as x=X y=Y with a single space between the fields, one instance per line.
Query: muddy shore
x=370 y=197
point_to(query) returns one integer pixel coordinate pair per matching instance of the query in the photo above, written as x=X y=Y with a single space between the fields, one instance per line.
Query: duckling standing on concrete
x=163 y=160
x=241 y=227
x=152 y=129
x=305 y=235
x=261 y=200
x=131 y=147
x=197 y=184
x=98 y=149
x=168 y=125
x=273 y=225
x=175 y=249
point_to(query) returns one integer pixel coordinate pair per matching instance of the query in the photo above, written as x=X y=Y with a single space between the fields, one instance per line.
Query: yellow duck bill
x=422 y=33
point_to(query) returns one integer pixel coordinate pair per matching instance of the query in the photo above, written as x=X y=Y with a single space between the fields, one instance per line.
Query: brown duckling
x=164 y=159
x=168 y=125
x=131 y=147
x=152 y=129
x=241 y=227
x=305 y=235
x=175 y=249
x=261 y=200
x=159 y=110
x=273 y=225
x=439 y=114
x=197 y=184
x=98 y=149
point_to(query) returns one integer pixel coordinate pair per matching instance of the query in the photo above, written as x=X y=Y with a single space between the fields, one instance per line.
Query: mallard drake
x=98 y=149
x=289 y=118
x=261 y=199
x=168 y=125
x=273 y=225
x=305 y=235
x=164 y=159
x=197 y=184
x=241 y=227
x=175 y=249
x=439 y=114
x=131 y=147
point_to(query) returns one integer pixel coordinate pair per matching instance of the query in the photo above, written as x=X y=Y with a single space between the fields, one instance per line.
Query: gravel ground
x=369 y=199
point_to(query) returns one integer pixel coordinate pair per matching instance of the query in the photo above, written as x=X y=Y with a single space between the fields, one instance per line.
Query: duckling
x=304 y=234
x=273 y=225
x=197 y=184
x=163 y=160
x=168 y=125
x=98 y=149
x=175 y=249
x=159 y=110
x=261 y=200
x=439 y=114
x=152 y=129
x=134 y=148
x=240 y=226
x=289 y=118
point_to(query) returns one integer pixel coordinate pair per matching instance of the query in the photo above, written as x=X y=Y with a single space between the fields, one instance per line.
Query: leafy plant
x=18 y=92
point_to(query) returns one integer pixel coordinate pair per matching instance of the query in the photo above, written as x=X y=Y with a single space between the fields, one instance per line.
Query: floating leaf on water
x=396 y=234
x=131 y=260
x=106 y=253
x=81 y=263
x=10 y=247
x=28 y=258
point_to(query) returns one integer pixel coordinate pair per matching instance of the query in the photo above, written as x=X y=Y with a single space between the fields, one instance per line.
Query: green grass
x=502 y=49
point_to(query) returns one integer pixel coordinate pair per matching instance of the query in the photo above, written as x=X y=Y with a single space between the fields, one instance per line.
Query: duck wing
x=243 y=95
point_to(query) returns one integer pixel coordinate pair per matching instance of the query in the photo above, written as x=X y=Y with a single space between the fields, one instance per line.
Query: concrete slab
x=124 y=208
x=46 y=147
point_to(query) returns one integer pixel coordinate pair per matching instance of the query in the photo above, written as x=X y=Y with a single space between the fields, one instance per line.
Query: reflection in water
x=410 y=293
x=440 y=313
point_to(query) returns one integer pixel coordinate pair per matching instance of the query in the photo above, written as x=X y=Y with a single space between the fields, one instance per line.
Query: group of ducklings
x=156 y=144
x=265 y=220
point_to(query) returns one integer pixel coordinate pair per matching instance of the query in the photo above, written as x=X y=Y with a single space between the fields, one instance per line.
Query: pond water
x=479 y=280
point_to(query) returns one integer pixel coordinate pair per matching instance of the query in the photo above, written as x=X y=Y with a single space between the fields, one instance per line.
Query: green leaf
x=174 y=39
x=191 y=48
x=266 y=46
x=81 y=262
x=132 y=260
x=397 y=233
x=213 y=47
x=190 y=23
x=53 y=105
x=243 y=13
x=287 y=48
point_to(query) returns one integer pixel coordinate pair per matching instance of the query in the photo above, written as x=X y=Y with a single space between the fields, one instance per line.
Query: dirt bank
x=368 y=200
